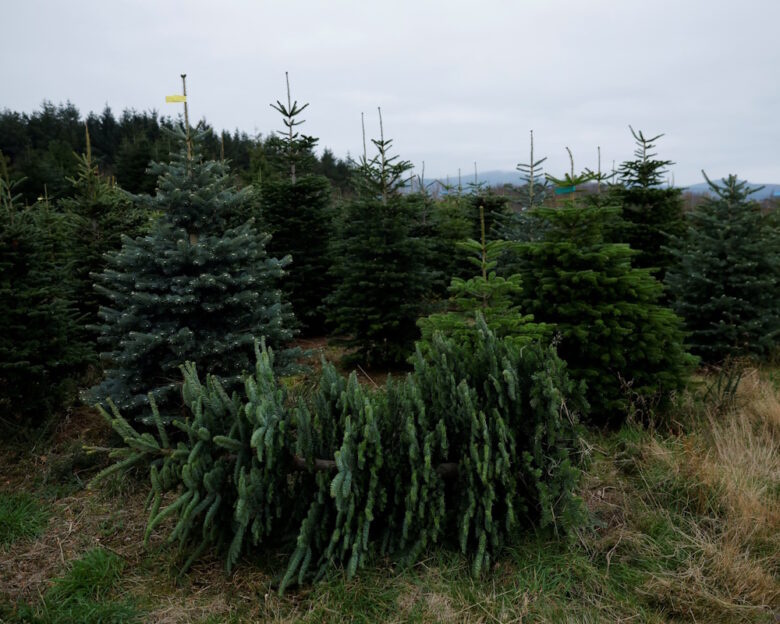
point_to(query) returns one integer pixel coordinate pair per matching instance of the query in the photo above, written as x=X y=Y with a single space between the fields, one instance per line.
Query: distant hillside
x=490 y=178
x=499 y=178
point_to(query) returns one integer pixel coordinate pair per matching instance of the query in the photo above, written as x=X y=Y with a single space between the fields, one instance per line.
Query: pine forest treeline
x=39 y=147
x=161 y=273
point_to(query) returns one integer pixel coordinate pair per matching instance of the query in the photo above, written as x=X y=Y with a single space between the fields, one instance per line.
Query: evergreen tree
x=534 y=191
x=614 y=335
x=41 y=352
x=651 y=213
x=494 y=207
x=199 y=287
x=726 y=281
x=53 y=133
x=487 y=294
x=520 y=225
x=336 y=170
x=40 y=146
x=101 y=214
x=535 y=186
x=379 y=266
x=133 y=158
x=294 y=150
x=444 y=222
x=297 y=214
x=450 y=226
x=478 y=439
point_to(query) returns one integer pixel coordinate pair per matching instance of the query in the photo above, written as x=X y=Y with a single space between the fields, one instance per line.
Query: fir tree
x=199 y=287
x=726 y=281
x=536 y=187
x=510 y=414
x=651 y=213
x=487 y=294
x=296 y=212
x=444 y=223
x=494 y=207
x=534 y=191
x=379 y=267
x=41 y=348
x=132 y=162
x=476 y=439
x=451 y=225
x=101 y=214
x=614 y=335
x=295 y=149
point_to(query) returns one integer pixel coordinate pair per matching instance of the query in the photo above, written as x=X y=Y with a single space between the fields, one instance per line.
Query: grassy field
x=684 y=527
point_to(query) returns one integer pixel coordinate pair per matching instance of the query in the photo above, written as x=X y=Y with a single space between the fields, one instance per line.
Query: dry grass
x=77 y=524
x=703 y=508
x=743 y=455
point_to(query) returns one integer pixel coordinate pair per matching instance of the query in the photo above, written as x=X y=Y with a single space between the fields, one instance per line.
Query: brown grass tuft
x=731 y=468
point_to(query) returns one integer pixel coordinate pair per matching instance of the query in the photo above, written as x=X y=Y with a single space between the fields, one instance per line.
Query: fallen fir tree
x=476 y=441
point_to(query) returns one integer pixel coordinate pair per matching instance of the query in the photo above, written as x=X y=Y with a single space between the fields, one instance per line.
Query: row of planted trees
x=554 y=314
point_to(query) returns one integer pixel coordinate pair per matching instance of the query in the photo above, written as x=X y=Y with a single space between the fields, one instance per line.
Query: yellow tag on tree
x=175 y=98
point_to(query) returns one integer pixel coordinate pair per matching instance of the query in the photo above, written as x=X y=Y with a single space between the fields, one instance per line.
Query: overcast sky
x=458 y=82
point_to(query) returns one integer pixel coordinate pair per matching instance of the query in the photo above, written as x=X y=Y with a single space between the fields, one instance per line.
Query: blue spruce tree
x=199 y=288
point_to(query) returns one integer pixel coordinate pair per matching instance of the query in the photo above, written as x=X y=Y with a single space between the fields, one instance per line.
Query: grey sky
x=458 y=82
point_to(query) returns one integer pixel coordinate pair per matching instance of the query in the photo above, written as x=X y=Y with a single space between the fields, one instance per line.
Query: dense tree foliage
x=380 y=271
x=297 y=213
x=99 y=214
x=442 y=224
x=485 y=204
x=546 y=310
x=475 y=442
x=614 y=335
x=40 y=145
x=199 y=287
x=42 y=347
x=534 y=191
x=494 y=298
x=651 y=212
x=300 y=219
x=726 y=281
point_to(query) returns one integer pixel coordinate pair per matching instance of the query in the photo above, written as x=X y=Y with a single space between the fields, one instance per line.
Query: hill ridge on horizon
x=499 y=177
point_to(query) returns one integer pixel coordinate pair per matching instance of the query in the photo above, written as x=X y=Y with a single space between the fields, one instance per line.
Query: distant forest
x=40 y=147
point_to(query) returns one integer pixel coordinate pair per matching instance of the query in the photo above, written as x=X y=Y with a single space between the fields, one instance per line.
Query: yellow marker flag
x=175 y=98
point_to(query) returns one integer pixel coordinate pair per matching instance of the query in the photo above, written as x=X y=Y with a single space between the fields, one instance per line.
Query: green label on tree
x=565 y=190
